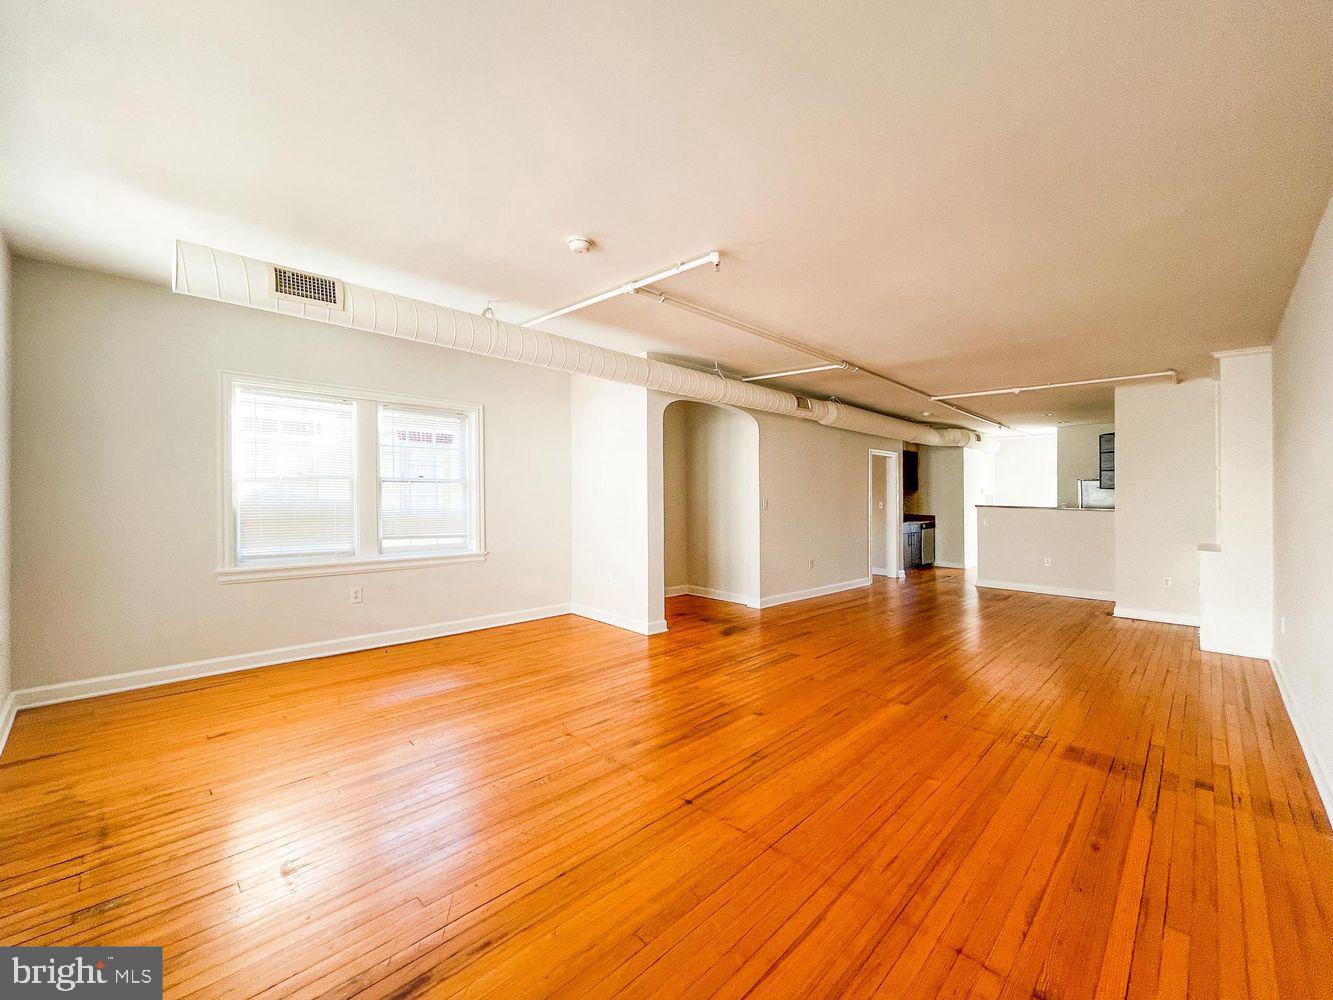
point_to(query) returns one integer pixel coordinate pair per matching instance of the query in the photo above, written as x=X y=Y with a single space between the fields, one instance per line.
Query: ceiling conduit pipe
x=227 y=277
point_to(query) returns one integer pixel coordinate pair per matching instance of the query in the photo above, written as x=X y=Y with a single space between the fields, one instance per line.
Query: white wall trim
x=1035 y=588
x=948 y=565
x=881 y=571
x=805 y=595
x=1240 y=352
x=642 y=627
x=305 y=571
x=51 y=694
x=1254 y=653
x=8 y=709
x=1323 y=779
x=1140 y=614
x=92 y=687
x=712 y=595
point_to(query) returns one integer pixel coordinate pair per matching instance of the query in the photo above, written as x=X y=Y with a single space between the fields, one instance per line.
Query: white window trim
x=367 y=515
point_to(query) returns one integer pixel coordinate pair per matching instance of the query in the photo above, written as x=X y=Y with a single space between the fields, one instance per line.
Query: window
x=424 y=489
x=324 y=480
x=294 y=488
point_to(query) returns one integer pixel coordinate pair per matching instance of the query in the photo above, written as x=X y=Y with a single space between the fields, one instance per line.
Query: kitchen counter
x=1011 y=506
x=1046 y=550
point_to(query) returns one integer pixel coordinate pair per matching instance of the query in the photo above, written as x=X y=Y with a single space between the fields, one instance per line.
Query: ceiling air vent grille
x=802 y=403
x=305 y=287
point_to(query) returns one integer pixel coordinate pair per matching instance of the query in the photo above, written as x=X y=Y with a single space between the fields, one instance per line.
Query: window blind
x=424 y=469
x=293 y=475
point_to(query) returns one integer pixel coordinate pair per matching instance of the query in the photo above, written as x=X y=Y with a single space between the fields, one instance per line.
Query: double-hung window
x=322 y=479
x=424 y=481
x=293 y=481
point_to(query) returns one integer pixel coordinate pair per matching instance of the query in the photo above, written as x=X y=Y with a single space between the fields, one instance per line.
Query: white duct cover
x=227 y=277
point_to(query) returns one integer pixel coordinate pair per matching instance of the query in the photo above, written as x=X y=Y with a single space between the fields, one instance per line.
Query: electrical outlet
x=881 y=505
x=357 y=595
x=812 y=564
x=1045 y=560
x=1166 y=583
x=765 y=504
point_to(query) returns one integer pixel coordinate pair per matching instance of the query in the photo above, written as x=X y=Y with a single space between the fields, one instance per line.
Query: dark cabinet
x=919 y=541
x=911 y=545
x=1106 y=457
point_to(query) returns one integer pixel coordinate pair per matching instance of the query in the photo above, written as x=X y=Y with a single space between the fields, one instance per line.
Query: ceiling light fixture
x=579 y=244
x=803 y=348
x=1170 y=373
x=799 y=371
x=714 y=258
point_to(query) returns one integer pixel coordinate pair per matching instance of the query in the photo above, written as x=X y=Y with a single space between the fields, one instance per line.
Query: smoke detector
x=579 y=244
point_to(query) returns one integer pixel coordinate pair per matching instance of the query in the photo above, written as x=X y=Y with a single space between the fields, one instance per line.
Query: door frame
x=893 y=512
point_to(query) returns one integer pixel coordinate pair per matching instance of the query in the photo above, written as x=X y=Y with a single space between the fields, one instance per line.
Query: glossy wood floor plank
x=919 y=790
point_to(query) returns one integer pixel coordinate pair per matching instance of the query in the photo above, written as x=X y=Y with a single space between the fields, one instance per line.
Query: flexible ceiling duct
x=243 y=281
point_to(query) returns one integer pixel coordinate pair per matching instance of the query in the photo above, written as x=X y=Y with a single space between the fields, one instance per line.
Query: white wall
x=1077 y=456
x=1165 y=497
x=675 y=499
x=710 y=458
x=885 y=514
x=1025 y=472
x=117 y=437
x=814 y=534
x=1015 y=543
x=978 y=488
x=1302 y=508
x=1236 y=578
x=6 y=706
x=952 y=482
x=814 y=480
x=613 y=575
x=940 y=472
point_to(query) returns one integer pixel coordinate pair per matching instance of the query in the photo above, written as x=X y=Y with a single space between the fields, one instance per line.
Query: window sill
x=303 y=571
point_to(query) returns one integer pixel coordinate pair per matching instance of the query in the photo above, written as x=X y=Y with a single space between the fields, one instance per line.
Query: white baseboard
x=8 y=709
x=618 y=620
x=1323 y=777
x=1036 y=588
x=881 y=571
x=712 y=595
x=1139 y=614
x=941 y=564
x=50 y=694
x=1253 y=652
x=805 y=595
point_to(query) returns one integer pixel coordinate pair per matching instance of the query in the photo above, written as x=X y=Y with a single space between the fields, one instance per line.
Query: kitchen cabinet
x=918 y=540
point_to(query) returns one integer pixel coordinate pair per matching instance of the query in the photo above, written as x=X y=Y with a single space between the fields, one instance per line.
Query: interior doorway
x=885 y=493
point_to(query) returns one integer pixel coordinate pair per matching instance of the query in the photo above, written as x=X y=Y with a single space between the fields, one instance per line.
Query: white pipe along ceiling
x=228 y=277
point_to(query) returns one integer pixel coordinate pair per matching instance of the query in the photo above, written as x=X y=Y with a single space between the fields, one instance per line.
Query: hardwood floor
x=920 y=790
